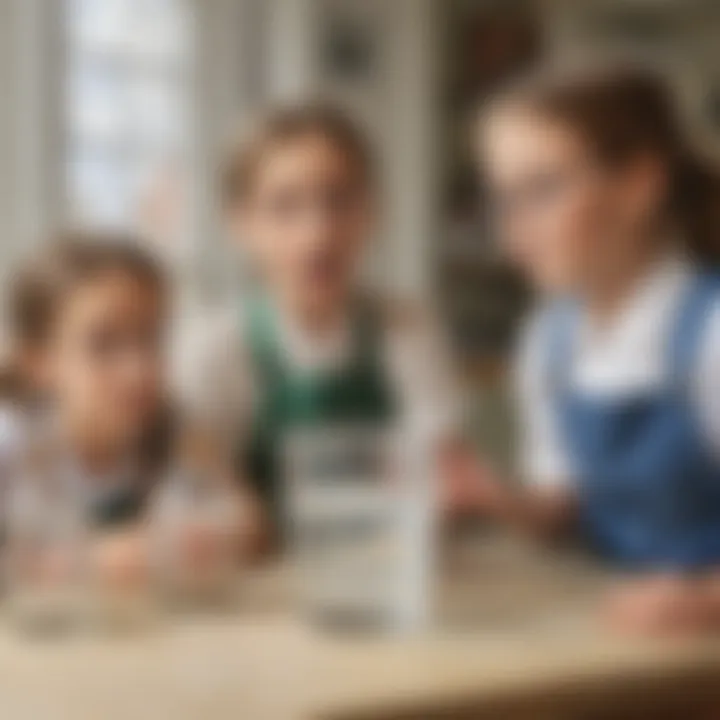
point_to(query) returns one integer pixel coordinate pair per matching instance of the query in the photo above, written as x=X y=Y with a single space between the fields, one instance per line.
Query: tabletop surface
x=513 y=625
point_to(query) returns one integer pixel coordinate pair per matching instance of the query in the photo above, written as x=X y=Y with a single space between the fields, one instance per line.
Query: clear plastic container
x=195 y=533
x=46 y=559
x=124 y=592
x=360 y=516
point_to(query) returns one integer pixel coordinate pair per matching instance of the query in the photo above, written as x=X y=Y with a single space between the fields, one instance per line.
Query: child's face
x=562 y=217
x=104 y=361
x=306 y=221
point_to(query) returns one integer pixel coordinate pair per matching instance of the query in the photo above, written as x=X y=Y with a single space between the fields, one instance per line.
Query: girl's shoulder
x=709 y=336
x=538 y=328
x=695 y=330
x=537 y=340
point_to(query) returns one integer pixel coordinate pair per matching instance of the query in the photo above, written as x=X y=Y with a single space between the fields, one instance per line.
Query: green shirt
x=357 y=392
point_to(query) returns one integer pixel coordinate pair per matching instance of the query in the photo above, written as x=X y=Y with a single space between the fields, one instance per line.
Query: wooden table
x=515 y=638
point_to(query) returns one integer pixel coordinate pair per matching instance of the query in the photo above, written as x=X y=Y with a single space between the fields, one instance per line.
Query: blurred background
x=114 y=113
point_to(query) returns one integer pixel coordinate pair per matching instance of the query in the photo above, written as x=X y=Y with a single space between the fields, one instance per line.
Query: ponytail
x=697 y=208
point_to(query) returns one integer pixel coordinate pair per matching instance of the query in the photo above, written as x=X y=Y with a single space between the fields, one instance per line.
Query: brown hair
x=38 y=290
x=623 y=110
x=39 y=286
x=287 y=124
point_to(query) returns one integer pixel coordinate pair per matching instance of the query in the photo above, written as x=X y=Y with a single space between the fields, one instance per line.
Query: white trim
x=229 y=49
x=292 y=43
x=411 y=144
x=36 y=60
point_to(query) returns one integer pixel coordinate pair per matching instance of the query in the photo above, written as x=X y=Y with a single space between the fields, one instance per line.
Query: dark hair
x=286 y=124
x=40 y=286
x=623 y=110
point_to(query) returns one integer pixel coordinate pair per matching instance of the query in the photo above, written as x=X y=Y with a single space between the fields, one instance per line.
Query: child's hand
x=468 y=486
x=663 y=605
x=121 y=560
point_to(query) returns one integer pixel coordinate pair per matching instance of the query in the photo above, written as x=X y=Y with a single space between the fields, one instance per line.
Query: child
x=605 y=207
x=88 y=319
x=307 y=346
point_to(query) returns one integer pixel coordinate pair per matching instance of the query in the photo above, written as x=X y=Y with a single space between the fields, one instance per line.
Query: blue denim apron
x=648 y=484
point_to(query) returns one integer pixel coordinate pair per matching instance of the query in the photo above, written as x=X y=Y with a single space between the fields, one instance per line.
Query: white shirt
x=626 y=355
x=215 y=378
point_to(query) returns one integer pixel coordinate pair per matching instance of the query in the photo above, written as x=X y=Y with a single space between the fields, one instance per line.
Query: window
x=128 y=115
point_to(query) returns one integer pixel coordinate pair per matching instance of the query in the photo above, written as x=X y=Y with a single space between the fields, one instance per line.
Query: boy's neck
x=313 y=319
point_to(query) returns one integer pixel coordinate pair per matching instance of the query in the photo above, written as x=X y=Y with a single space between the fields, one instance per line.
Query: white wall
x=8 y=155
x=27 y=195
x=411 y=143
x=226 y=47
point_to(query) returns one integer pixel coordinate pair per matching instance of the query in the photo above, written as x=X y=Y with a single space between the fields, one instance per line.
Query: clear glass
x=123 y=590
x=46 y=553
x=195 y=535
x=360 y=520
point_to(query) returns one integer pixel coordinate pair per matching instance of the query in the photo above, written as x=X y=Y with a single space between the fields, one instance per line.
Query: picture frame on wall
x=348 y=44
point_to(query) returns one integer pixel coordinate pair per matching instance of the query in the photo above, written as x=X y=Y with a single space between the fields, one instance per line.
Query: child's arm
x=543 y=503
x=122 y=558
x=212 y=380
x=250 y=525
x=470 y=487
x=426 y=380
x=255 y=535
x=665 y=605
